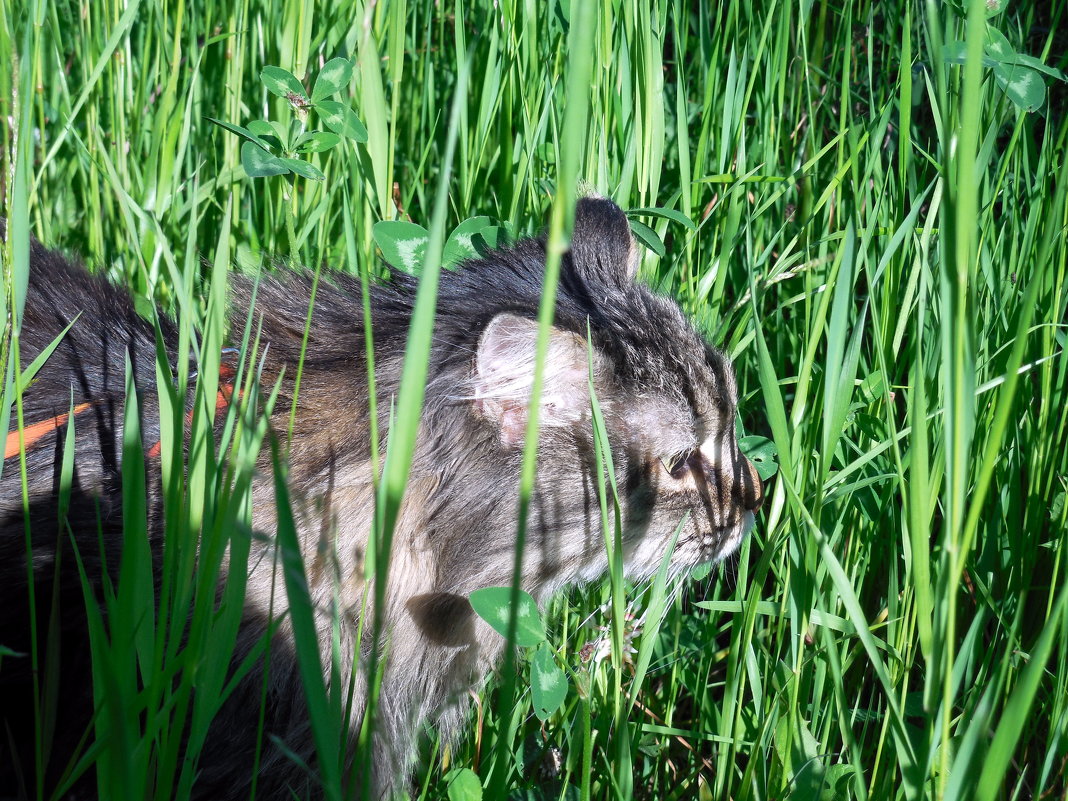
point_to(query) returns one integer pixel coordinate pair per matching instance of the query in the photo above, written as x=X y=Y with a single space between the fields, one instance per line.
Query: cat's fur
x=669 y=404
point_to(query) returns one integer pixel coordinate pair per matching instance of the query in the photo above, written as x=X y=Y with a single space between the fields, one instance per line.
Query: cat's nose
x=748 y=488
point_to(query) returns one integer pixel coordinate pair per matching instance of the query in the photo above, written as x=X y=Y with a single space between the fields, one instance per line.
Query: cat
x=668 y=400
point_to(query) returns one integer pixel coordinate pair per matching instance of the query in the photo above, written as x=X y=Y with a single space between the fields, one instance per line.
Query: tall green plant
x=877 y=240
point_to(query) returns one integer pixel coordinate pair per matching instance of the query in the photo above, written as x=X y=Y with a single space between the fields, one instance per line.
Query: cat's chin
x=737 y=534
x=718 y=545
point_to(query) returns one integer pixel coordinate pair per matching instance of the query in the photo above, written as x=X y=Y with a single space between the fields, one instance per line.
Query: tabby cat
x=669 y=405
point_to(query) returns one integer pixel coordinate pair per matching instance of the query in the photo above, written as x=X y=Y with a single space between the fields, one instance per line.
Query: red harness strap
x=34 y=434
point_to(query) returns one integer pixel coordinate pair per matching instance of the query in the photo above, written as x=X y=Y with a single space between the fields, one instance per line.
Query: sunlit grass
x=879 y=243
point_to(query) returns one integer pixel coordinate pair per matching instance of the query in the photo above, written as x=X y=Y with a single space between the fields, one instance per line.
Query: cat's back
x=75 y=333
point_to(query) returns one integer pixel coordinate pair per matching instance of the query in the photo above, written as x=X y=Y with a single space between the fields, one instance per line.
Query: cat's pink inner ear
x=504 y=376
x=513 y=425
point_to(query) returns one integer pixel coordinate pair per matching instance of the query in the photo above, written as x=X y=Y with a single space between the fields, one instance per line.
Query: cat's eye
x=675 y=463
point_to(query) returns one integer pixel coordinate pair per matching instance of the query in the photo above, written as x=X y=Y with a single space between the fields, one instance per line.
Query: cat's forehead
x=704 y=378
x=721 y=371
x=658 y=354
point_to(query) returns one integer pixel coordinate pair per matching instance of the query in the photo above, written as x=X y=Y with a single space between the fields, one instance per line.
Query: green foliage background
x=879 y=243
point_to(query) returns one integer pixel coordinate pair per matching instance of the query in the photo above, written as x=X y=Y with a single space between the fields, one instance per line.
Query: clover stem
x=289 y=197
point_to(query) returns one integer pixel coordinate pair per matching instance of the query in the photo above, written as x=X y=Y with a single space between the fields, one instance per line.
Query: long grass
x=879 y=242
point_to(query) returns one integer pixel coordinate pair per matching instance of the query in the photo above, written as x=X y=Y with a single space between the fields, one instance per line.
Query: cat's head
x=668 y=401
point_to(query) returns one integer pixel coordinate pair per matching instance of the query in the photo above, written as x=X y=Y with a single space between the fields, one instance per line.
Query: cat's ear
x=504 y=376
x=602 y=247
